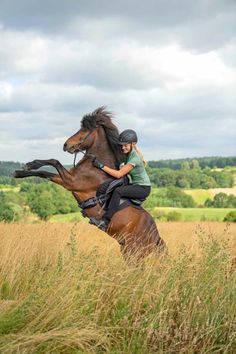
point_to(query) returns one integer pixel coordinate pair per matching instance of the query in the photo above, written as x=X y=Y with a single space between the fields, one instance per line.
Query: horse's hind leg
x=132 y=250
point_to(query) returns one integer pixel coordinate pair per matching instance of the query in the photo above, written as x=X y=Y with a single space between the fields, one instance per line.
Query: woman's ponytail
x=140 y=154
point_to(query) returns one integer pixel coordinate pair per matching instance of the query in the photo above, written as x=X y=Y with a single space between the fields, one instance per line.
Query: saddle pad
x=127 y=202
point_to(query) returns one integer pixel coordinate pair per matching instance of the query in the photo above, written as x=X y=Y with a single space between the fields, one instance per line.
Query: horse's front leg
x=67 y=178
x=41 y=174
x=53 y=177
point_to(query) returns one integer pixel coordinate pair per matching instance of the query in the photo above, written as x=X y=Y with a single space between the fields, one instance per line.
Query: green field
x=187 y=214
x=9 y=188
x=196 y=214
x=200 y=195
x=70 y=217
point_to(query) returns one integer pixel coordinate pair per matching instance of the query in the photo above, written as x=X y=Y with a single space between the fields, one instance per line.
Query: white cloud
x=168 y=74
x=21 y=54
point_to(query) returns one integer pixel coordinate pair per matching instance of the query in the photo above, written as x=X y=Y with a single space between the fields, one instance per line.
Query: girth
x=101 y=194
x=91 y=202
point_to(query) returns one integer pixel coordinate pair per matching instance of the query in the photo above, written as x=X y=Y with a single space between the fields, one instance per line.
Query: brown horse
x=133 y=228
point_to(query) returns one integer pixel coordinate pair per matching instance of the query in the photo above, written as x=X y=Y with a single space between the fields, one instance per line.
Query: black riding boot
x=102 y=224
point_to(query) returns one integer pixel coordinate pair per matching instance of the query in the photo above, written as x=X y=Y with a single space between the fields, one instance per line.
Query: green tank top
x=138 y=175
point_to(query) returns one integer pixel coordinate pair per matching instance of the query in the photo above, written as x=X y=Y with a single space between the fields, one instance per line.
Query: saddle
x=104 y=192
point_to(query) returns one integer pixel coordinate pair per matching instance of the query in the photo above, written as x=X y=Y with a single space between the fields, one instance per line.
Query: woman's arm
x=118 y=173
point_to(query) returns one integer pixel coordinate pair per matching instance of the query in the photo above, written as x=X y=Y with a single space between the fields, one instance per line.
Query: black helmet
x=128 y=136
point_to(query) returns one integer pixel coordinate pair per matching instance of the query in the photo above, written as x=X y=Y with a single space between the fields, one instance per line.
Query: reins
x=85 y=154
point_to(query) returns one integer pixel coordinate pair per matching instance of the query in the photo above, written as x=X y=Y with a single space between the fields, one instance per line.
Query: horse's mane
x=101 y=117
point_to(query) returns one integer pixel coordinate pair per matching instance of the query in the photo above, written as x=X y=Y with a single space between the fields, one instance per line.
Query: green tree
x=208 y=203
x=57 y=199
x=179 y=198
x=43 y=206
x=194 y=165
x=6 y=213
x=173 y=216
x=207 y=182
x=185 y=165
x=231 y=216
x=231 y=201
x=223 y=179
x=220 y=200
x=182 y=182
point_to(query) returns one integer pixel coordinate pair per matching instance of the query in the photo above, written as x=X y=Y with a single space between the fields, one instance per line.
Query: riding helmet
x=128 y=136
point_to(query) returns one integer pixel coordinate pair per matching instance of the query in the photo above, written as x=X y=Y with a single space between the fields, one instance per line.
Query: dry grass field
x=65 y=288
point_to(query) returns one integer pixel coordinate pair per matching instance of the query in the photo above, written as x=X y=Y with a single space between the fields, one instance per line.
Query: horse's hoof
x=33 y=165
x=27 y=166
x=17 y=174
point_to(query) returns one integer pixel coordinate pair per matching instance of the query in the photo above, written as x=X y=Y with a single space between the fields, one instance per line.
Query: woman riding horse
x=133 y=228
x=133 y=166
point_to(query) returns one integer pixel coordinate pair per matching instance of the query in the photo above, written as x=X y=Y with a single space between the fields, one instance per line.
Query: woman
x=134 y=167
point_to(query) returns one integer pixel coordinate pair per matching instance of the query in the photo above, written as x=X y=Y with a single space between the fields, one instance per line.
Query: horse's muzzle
x=65 y=147
x=70 y=148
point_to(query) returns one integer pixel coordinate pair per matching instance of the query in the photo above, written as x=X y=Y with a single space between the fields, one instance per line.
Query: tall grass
x=68 y=290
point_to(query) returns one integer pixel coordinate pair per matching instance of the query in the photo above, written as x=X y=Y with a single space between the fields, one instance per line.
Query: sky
x=163 y=68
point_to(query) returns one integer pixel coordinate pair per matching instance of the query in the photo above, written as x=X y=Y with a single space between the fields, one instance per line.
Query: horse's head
x=92 y=124
x=82 y=140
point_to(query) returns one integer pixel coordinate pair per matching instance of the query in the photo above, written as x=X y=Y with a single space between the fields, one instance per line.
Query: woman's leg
x=129 y=191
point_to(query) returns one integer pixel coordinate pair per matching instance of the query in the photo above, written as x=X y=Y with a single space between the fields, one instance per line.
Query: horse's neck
x=102 y=150
x=90 y=177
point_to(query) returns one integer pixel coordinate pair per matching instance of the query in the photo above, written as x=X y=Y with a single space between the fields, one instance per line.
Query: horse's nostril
x=64 y=146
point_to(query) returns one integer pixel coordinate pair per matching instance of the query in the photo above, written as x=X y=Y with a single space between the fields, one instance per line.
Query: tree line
x=193 y=178
x=189 y=176
x=202 y=162
x=7 y=167
x=46 y=199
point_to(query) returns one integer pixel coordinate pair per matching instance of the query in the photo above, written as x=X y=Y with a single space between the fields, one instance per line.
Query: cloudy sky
x=164 y=68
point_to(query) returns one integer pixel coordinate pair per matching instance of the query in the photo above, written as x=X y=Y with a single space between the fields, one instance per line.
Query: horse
x=133 y=228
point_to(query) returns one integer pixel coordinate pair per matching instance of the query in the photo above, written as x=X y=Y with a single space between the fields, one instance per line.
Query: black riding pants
x=129 y=191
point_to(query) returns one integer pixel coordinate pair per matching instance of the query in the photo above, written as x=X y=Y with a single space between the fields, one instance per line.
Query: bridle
x=81 y=150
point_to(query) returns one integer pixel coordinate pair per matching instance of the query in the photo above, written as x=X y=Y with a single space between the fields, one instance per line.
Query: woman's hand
x=97 y=163
x=114 y=173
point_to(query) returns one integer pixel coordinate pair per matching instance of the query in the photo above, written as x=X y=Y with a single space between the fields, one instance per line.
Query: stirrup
x=100 y=223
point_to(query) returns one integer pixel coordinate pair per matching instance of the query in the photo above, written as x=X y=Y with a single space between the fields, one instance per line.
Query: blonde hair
x=140 y=154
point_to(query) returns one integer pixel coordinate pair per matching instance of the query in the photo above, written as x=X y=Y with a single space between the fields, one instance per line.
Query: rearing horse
x=133 y=228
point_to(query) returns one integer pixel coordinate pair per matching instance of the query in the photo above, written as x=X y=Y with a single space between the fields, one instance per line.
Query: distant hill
x=7 y=167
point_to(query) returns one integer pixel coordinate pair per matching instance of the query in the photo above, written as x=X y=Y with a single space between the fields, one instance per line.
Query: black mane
x=101 y=117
